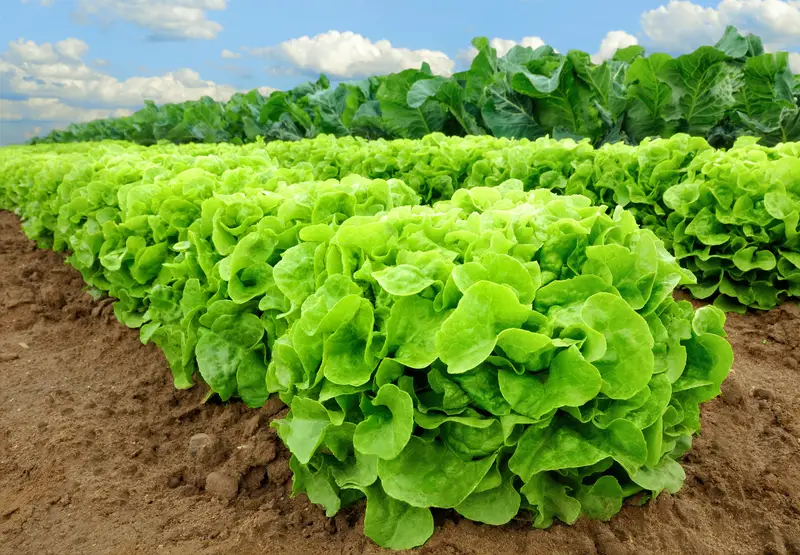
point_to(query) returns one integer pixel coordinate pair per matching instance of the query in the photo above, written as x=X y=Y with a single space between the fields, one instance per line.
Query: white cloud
x=57 y=71
x=682 y=25
x=501 y=45
x=57 y=86
x=230 y=55
x=165 y=19
x=348 y=54
x=72 y=48
x=794 y=62
x=28 y=51
x=612 y=42
x=52 y=109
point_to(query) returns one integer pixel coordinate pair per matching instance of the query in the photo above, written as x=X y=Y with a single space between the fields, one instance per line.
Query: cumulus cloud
x=51 y=85
x=71 y=48
x=58 y=71
x=28 y=51
x=681 y=25
x=348 y=54
x=794 y=62
x=230 y=54
x=504 y=45
x=164 y=19
x=501 y=45
x=52 y=109
x=612 y=42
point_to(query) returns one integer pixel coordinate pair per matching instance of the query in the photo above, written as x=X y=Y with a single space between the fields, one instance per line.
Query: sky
x=65 y=61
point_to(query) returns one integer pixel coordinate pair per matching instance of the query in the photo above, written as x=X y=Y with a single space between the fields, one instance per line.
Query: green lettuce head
x=499 y=352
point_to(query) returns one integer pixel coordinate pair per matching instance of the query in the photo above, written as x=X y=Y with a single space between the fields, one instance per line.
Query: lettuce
x=527 y=355
x=507 y=349
x=728 y=216
x=205 y=253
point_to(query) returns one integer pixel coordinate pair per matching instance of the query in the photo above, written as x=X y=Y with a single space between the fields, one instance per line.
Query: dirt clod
x=222 y=485
x=52 y=297
x=732 y=391
x=198 y=442
x=763 y=393
x=8 y=357
x=253 y=425
x=278 y=472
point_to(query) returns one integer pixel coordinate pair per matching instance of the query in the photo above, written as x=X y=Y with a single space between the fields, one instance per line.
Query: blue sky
x=74 y=60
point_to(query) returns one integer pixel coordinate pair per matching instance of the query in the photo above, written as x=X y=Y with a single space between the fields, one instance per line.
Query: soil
x=99 y=454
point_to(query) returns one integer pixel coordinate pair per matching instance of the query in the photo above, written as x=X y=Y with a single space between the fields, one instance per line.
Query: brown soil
x=96 y=457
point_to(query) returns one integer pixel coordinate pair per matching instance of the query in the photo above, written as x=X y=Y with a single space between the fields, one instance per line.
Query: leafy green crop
x=525 y=355
x=729 y=216
x=718 y=92
x=505 y=350
x=198 y=248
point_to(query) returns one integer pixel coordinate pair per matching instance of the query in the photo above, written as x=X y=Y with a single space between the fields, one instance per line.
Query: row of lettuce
x=717 y=92
x=730 y=217
x=505 y=350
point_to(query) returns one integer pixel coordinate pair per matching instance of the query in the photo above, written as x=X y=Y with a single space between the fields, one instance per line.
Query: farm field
x=96 y=449
x=547 y=304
